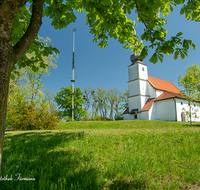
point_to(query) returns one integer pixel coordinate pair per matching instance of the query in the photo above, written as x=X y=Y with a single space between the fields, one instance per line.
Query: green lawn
x=104 y=155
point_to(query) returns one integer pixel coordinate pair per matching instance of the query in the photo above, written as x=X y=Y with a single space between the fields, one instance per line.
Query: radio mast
x=73 y=81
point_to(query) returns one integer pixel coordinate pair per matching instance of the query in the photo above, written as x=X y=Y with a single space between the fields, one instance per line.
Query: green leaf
x=186 y=44
x=12 y=76
x=188 y=15
x=144 y=53
x=182 y=55
x=176 y=54
x=154 y=58
x=182 y=10
x=191 y=43
x=145 y=36
x=160 y=56
x=179 y=34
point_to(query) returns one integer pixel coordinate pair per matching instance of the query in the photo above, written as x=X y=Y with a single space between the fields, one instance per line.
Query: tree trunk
x=6 y=66
x=10 y=55
x=4 y=86
x=7 y=59
x=111 y=111
x=190 y=115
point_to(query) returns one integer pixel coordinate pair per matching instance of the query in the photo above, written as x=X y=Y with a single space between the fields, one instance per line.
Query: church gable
x=163 y=85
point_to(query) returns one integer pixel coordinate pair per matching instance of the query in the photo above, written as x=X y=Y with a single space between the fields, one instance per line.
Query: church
x=155 y=99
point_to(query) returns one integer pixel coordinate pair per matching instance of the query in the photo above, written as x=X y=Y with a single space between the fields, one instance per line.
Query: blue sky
x=108 y=67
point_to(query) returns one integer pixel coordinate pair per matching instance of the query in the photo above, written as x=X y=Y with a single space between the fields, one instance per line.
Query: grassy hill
x=104 y=155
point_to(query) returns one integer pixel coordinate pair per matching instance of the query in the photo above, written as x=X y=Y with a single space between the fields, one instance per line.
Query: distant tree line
x=91 y=103
x=104 y=104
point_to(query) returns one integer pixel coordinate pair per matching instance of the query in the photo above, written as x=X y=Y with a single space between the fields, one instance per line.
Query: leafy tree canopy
x=191 y=82
x=109 y=18
x=64 y=102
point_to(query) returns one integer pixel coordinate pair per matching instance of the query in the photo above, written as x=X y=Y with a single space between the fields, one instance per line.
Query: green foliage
x=64 y=102
x=191 y=87
x=38 y=52
x=119 y=116
x=110 y=19
x=125 y=99
x=29 y=106
x=191 y=82
x=29 y=117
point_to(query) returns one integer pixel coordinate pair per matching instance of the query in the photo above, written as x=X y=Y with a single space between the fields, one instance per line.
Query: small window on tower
x=181 y=103
x=194 y=105
x=142 y=68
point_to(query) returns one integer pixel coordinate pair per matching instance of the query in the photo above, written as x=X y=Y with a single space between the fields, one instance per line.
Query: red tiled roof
x=126 y=111
x=163 y=85
x=167 y=95
x=148 y=104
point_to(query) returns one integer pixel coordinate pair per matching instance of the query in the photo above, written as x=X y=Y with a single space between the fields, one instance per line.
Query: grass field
x=104 y=155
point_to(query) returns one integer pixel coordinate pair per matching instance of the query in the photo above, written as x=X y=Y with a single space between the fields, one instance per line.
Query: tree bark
x=10 y=55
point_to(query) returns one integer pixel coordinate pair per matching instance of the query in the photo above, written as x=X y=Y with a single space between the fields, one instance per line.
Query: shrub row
x=29 y=117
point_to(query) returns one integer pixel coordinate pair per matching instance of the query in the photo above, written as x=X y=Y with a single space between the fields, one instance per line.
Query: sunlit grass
x=105 y=155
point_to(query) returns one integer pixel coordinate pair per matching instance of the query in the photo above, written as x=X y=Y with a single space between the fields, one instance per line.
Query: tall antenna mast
x=73 y=81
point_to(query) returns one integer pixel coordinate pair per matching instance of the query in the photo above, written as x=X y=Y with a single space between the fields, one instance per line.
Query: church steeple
x=137 y=69
x=138 y=83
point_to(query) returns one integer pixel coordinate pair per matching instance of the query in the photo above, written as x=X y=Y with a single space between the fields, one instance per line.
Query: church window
x=142 y=68
x=135 y=116
x=181 y=103
x=194 y=105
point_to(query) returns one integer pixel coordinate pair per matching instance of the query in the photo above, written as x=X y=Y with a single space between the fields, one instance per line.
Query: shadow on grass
x=194 y=124
x=127 y=185
x=47 y=158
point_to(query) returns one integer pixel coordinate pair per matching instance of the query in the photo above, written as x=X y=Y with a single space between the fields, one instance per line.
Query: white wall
x=143 y=73
x=144 y=90
x=165 y=110
x=134 y=103
x=152 y=112
x=144 y=115
x=133 y=72
x=134 y=88
x=152 y=91
x=127 y=117
x=185 y=105
x=158 y=93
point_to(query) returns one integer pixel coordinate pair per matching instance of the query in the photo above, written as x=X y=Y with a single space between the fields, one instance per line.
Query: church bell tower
x=137 y=84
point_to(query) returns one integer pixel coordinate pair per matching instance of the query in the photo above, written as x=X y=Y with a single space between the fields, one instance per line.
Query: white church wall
x=183 y=104
x=158 y=93
x=165 y=110
x=144 y=90
x=151 y=90
x=134 y=88
x=152 y=112
x=144 y=115
x=133 y=72
x=127 y=117
x=134 y=103
x=143 y=73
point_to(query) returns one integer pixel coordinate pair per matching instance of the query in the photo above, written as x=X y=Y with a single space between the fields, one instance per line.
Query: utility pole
x=73 y=81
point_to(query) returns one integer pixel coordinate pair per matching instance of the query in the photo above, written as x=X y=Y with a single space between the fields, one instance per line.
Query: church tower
x=137 y=85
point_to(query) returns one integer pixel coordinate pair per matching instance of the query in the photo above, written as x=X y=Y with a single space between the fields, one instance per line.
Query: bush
x=119 y=116
x=29 y=117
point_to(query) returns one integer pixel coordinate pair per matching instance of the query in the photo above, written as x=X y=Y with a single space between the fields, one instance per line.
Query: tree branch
x=28 y=38
x=150 y=32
